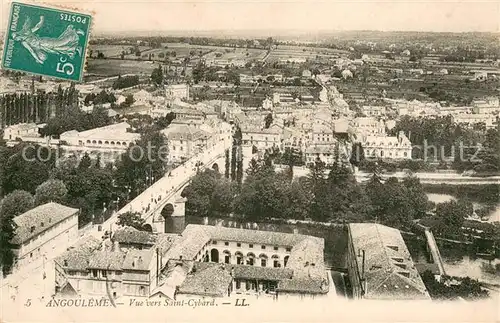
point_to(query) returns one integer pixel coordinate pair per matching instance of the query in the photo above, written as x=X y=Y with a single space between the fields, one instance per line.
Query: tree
x=129 y=100
x=12 y=205
x=52 y=190
x=268 y=120
x=357 y=154
x=27 y=167
x=131 y=219
x=233 y=162
x=452 y=215
x=226 y=164
x=157 y=75
x=85 y=162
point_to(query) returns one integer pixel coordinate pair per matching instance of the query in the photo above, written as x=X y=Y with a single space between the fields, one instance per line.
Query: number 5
x=62 y=69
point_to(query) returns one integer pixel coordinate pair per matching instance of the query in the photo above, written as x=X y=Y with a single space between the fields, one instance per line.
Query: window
x=227 y=259
x=276 y=264
x=214 y=242
x=104 y=274
x=238 y=244
x=288 y=249
x=31 y=255
x=275 y=248
x=94 y=273
x=263 y=247
x=238 y=284
x=250 y=246
x=263 y=262
x=250 y=261
x=226 y=243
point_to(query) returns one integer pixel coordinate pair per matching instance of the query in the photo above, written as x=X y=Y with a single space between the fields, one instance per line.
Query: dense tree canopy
x=52 y=190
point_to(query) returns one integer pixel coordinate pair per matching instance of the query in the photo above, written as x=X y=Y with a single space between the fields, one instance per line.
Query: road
x=163 y=188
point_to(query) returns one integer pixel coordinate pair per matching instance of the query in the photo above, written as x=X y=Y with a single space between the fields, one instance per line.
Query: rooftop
x=77 y=256
x=389 y=269
x=39 y=219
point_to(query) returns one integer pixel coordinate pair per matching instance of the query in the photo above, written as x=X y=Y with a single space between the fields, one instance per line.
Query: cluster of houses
x=211 y=261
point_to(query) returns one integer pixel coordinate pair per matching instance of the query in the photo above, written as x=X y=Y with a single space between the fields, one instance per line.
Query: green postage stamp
x=46 y=41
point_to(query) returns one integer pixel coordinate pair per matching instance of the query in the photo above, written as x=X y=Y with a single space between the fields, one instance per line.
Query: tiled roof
x=261 y=273
x=182 y=131
x=133 y=236
x=191 y=241
x=307 y=259
x=251 y=236
x=106 y=259
x=77 y=256
x=138 y=259
x=311 y=286
x=212 y=280
x=47 y=214
x=389 y=270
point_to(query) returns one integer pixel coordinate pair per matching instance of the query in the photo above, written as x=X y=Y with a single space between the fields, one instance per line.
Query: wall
x=50 y=242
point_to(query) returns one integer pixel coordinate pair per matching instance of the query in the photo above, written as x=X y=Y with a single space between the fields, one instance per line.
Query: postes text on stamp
x=46 y=41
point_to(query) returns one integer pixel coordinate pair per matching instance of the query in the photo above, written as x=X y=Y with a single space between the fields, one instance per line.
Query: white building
x=108 y=142
x=21 y=131
x=387 y=147
x=262 y=138
x=177 y=91
x=254 y=263
x=372 y=111
x=488 y=120
x=368 y=126
x=185 y=141
x=326 y=153
x=44 y=231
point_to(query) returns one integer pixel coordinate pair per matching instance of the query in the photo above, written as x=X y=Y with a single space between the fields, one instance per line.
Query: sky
x=283 y=15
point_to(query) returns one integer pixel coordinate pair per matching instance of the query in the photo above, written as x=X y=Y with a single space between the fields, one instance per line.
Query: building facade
x=43 y=232
x=380 y=266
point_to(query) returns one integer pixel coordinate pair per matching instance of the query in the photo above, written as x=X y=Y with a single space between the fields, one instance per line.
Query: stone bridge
x=162 y=201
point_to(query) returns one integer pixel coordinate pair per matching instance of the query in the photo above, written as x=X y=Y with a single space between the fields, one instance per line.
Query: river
x=494 y=216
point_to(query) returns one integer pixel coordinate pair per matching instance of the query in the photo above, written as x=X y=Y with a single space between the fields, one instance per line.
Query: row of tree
x=325 y=195
x=35 y=107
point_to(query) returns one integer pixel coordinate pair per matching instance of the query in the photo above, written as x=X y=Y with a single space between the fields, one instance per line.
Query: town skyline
x=290 y=17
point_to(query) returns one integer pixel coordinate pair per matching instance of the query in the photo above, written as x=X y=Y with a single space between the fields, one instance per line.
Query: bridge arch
x=167 y=211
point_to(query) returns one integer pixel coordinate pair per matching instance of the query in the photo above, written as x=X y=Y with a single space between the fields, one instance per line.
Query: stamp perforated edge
x=7 y=8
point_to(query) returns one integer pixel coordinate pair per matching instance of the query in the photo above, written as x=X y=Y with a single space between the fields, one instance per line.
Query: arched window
x=239 y=258
x=250 y=259
x=124 y=143
x=285 y=260
x=93 y=141
x=227 y=256
x=112 y=142
x=88 y=141
x=276 y=261
x=263 y=260
x=106 y=142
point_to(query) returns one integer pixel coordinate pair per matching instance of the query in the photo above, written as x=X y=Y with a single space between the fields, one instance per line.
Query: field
x=284 y=52
x=113 y=51
x=237 y=53
x=112 y=67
